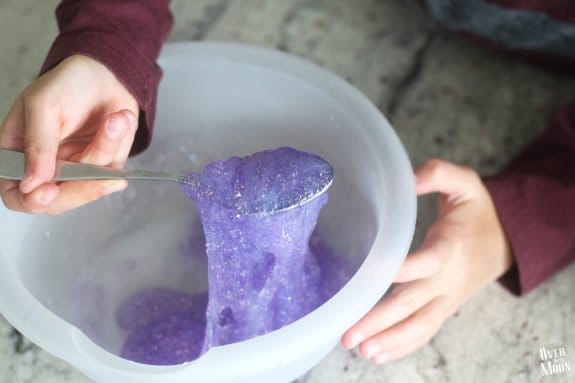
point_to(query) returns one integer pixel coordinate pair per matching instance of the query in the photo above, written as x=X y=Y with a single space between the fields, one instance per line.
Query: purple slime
x=166 y=327
x=264 y=272
x=149 y=306
x=261 y=272
x=174 y=339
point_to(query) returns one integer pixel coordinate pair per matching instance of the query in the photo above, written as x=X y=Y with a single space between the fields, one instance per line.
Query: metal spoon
x=12 y=165
x=12 y=168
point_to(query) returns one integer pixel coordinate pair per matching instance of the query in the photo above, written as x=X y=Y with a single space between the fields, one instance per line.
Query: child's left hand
x=464 y=250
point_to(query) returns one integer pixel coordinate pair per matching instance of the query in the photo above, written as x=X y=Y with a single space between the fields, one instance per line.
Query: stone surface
x=444 y=96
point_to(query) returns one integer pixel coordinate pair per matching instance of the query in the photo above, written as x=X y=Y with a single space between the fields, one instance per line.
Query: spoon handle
x=12 y=168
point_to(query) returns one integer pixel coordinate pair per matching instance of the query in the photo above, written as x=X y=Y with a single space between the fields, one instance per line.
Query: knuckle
x=435 y=260
x=35 y=100
x=470 y=173
x=435 y=319
x=421 y=329
x=33 y=208
x=39 y=96
x=435 y=165
x=9 y=203
x=11 y=198
x=35 y=148
x=404 y=296
x=442 y=249
x=4 y=138
x=435 y=162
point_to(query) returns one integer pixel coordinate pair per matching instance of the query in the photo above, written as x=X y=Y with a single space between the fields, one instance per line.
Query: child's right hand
x=78 y=111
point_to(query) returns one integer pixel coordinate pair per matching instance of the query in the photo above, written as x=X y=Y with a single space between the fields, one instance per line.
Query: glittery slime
x=266 y=266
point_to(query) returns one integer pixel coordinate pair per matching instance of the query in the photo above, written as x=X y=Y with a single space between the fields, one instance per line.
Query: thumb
x=438 y=176
x=41 y=138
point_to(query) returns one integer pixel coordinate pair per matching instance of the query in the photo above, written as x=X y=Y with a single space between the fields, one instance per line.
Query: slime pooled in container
x=263 y=270
x=166 y=327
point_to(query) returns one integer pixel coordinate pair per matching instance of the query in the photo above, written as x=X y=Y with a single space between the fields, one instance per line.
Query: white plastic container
x=62 y=278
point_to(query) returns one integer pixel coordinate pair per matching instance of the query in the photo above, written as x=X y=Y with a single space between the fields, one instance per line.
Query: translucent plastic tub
x=62 y=278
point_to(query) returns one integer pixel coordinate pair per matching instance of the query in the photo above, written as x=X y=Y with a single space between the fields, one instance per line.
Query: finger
x=427 y=260
x=440 y=176
x=78 y=193
x=6 y=188
x=41 y=137
x=403 y=301
x=36 y=202
x=103 y=148
x=52 y=199
x=409 y=334
x=12 y=127
x=126 y=145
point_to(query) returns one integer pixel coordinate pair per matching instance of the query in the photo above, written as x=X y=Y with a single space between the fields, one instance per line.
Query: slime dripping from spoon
x=258 y=214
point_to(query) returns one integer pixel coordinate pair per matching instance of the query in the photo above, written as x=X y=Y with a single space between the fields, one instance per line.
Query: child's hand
x=79 y=112
x=464 y=250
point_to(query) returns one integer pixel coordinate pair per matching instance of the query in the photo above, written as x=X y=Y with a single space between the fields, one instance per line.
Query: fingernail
x=47 y=196
x=24 y=184
x=133 y=119
x=355 y=340
x=115 y=128
x=370 y=351
x=381 y=359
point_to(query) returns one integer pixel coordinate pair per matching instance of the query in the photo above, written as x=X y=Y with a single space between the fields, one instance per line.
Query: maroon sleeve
x=535 y=200
x=126 y=36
